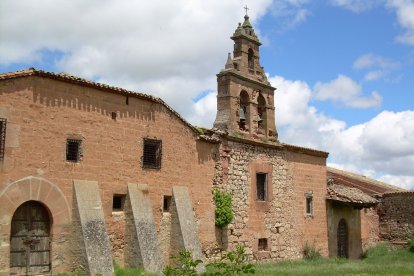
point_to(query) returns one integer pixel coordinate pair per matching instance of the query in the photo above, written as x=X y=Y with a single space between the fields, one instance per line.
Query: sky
x=343 y=69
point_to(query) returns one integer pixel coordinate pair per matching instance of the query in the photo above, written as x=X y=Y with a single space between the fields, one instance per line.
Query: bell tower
x=245 y=99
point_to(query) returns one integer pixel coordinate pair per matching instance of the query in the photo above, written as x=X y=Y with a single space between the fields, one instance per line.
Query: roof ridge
x=365 y=178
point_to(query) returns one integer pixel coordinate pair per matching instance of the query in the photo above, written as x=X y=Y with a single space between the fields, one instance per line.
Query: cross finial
x=246 y=8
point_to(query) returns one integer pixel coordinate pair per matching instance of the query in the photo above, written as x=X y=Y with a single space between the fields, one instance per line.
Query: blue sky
x=343 y=69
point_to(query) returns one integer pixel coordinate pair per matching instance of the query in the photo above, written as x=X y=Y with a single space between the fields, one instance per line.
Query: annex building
x=91 y=174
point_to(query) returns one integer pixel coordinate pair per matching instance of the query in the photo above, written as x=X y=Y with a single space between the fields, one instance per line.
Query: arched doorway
x=30 y=240
x=342 y=239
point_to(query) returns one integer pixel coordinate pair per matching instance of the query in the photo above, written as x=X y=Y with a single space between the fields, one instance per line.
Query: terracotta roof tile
x=348 y=195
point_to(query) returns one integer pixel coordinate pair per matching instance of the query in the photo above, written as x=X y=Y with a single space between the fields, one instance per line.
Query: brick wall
x=396 y=216
x=309 y=177
x=42 y=113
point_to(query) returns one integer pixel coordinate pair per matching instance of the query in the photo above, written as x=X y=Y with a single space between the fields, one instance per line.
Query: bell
x=242 y=115
x=260 y=119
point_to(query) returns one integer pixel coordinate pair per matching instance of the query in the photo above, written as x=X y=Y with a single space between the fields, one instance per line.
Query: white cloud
x=405 y=15
x=158 y=47
x=290 y=13
x=381 y=147
x=356 y=6
x=378 y=67
x=368 y=61
x=204 y=110
x=406 y=182
x=346 y=91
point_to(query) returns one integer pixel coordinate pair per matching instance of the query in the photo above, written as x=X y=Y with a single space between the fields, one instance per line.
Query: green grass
x=380 y=260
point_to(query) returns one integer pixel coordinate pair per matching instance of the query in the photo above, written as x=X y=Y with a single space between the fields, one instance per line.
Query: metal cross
x=246 y=8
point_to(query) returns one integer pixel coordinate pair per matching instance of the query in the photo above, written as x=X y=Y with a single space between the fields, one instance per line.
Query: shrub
x=233 y=263
x=185 y=265
x=223 y=212
x=311 y=253
x=411 y=244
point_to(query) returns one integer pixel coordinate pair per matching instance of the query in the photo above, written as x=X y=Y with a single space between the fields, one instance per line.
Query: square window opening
x=309 y=205
x=73 y=150
x=152 y=154
x=167 y=204
x=261 y=186
x=262 y=245
x=118 y=203
x=2 y=137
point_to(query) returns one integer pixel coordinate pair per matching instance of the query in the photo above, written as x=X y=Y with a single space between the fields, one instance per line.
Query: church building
x=92 y=174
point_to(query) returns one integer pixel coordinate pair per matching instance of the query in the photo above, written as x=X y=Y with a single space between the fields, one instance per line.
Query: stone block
x=149 y=255
x=187 y=226
x=94 y=235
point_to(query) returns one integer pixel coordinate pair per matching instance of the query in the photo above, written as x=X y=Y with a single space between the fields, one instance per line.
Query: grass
x=381 y=260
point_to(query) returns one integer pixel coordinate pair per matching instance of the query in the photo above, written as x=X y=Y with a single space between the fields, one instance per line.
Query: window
x=73 y=150
x=250 y=59
x=261 y=186
x=243 y=111
x=2 y=137
x=309 y=203
x=167 y=204
x=152 y=154
x=262 y=245
x=118 y=202
x=261 y=111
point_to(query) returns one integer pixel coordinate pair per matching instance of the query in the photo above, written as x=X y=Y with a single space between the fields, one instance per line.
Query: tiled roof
x=367 y=185
x=112 y=89
x=352 y=196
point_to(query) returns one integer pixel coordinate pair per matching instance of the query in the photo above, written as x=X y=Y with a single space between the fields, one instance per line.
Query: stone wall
x=42 y=113
x=281 y=217
x=369 y=228
x=396 y=217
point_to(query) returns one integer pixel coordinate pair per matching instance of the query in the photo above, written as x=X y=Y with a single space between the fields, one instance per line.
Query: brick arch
x=38 y=189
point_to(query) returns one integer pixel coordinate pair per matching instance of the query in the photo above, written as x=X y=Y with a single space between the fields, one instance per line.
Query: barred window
x=2 y=137
x=261 y=186
x=152 y=154
x=73 y=150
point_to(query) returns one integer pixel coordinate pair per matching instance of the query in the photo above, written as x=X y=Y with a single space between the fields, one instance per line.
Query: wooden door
x=342 y=239
x=30 y=240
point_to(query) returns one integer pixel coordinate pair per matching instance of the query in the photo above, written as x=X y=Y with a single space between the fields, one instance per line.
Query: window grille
x=152 y=154
x=73 y=150
x=261 y=186
x=2 y=137
x=262 y=245
x=118 y=202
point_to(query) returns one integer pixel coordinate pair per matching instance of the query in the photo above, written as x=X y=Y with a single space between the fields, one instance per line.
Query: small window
x=167 y=204
x=152 y=154
x=113 y=115
x=2 y=137
x=118 y=202
x=73 y=150
x=309 y=203
x=261 y=186
x=262 y=245
x=250 y=59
